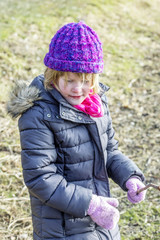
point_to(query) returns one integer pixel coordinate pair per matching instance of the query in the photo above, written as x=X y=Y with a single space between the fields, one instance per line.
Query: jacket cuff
x=122 y=168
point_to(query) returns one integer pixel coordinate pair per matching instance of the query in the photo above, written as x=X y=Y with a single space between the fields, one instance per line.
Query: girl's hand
x=133 y=185
x=103 y=211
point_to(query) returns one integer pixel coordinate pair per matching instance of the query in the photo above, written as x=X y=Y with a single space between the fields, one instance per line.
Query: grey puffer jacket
x=66 y=157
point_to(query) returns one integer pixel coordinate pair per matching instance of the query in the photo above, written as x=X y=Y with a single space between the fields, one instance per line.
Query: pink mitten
x=133 y=184
x=103 y=211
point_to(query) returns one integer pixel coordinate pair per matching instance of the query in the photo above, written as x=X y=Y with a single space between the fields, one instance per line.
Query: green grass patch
x=140 y=217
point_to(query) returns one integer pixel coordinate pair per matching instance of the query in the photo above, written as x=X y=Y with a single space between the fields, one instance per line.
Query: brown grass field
x=130 y=33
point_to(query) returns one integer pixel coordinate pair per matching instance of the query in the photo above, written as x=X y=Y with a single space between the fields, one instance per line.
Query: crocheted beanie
x=75 y=48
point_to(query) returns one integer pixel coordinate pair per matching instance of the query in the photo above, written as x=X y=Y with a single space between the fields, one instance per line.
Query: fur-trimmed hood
x=23 y=96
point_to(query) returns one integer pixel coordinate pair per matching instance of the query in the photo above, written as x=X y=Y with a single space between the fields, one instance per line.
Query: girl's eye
x=86 y=81
x=69 y=81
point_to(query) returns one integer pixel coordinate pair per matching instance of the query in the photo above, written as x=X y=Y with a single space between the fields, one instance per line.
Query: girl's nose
x=77 y=87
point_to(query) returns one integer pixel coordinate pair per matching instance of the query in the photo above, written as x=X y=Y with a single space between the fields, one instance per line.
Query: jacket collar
x=59 y=98
x=68 y=112
x=24 y=96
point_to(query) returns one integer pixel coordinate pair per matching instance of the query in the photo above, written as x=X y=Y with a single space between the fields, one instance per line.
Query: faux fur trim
x=22 y=97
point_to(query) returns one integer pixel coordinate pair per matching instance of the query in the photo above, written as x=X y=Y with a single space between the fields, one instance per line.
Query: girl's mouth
x=75 y=97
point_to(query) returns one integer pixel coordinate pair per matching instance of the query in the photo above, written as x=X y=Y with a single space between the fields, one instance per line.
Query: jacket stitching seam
x=28 y=129
x=71 y=197
x=28 y=149
x=79 y=162
x=79 y=180
x=54 y=191
x=78 y=125
x=76 y=145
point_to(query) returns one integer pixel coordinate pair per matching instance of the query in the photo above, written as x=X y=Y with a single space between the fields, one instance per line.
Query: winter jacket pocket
x=78 y=225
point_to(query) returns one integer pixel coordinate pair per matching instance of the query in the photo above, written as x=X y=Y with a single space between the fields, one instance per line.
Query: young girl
x=68 y=145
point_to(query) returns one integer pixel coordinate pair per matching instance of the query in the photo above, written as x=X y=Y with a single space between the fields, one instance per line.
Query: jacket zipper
x=104 y=167
x=98 y=234
x=110 y=235
x=94 y=185
x=63 y=224
x=105 y=172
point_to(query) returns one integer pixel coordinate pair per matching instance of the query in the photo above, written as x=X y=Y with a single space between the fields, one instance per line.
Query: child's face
x=75 y=90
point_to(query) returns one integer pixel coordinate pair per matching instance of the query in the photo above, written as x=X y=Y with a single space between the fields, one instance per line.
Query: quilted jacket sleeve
x=40 y=172
x=119 y=167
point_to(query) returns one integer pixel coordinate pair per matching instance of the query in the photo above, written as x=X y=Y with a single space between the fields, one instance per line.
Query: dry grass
x=130 y=34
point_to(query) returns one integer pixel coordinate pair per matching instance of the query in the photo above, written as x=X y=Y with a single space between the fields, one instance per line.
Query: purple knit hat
x=75 y=48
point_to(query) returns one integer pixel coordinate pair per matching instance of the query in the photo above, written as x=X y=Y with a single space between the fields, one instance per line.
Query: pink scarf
x=91 y=105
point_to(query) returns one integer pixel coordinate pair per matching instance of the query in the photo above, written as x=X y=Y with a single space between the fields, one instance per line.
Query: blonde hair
x=52 y=76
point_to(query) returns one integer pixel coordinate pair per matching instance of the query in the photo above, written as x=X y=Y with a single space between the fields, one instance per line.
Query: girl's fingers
x=112 y=201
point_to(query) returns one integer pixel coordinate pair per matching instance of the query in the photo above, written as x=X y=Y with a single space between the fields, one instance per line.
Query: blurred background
x=130 y=33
